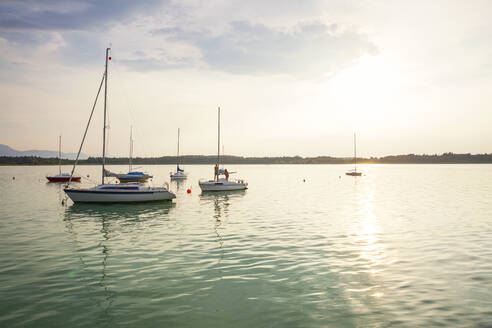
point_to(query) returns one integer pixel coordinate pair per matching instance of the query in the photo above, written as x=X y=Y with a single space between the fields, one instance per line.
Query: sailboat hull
x=125 y=178
x=222 y=185
x=178 y=176
x=62 y=179
x=118 y=196
x=354 y=174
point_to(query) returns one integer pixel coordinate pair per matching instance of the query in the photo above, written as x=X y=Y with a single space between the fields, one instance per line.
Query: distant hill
x=9 y=152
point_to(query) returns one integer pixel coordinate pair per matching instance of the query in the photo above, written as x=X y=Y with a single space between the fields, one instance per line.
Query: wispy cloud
x=308 y=49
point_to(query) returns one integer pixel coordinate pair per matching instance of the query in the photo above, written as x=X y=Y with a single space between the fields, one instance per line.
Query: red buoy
x=188 y=191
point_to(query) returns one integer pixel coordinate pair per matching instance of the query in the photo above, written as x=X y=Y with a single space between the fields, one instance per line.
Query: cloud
x=174 y=35
x=70 y=14
x=308 y=49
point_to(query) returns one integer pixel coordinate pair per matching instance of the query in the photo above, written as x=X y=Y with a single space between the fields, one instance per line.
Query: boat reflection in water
x=220 y=201
x=178 y=183
x=97 y=230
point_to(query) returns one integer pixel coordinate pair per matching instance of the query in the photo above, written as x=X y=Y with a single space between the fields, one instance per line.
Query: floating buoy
x=13 y=178
x=188 y=191
x=303 y=180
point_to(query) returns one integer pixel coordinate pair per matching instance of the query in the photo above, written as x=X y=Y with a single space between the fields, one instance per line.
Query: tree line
x=446 y=158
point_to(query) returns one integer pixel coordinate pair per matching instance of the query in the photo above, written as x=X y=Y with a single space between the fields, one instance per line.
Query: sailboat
x=113 y=193
x=218 y=183
x=61 y=177
x=354 y=173
x=131 y=176
x=180 y=173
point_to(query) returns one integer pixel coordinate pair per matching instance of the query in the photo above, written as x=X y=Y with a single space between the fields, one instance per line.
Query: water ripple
x=405 y=246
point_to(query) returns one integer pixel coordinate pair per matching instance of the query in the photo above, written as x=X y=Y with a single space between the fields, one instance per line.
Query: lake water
x=402 y=246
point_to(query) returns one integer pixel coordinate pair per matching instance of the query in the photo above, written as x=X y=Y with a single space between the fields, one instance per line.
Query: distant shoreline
x=446 y=158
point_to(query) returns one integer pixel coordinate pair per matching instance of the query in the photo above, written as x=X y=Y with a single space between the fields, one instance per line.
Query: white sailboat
x=113 y=193
x=354 y=173
x=61 y=177
x=219 y=183
x=180 y=173
x=131 y=176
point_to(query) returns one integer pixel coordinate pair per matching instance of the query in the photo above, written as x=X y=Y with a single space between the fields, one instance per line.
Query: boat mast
x=355 y=155
x=104 y=128
x=59 y=155
x=131 y=149
x=218 y=139
x=177 y=155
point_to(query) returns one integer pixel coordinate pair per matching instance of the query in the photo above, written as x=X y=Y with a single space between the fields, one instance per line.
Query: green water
x=402 y=246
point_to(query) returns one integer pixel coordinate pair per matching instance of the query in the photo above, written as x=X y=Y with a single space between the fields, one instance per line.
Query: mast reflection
x=220 y=202
x=84 y=222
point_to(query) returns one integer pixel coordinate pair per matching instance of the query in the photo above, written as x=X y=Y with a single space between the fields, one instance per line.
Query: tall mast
x=104 y=128
x=177 y=155
x=355 y=155
x=59 y=155
x=131 y=149
x=218 y=140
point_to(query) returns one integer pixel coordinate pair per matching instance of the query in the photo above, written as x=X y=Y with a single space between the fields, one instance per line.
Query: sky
x=291 y=77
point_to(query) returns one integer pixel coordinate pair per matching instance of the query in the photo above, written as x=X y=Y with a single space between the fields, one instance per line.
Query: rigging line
x=108 y=124
x=108 y=128
x=86 y=128
x=129 y=104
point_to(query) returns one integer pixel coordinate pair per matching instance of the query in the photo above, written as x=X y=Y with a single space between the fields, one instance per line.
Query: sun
x=367 y=92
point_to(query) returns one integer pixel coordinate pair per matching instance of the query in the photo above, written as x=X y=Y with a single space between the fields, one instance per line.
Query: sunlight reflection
x=367 y=232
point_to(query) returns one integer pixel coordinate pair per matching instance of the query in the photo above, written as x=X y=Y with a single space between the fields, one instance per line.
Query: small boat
x=180 y=173
x=131 y=176
x=354 y=172
x=114 y=193
x=134 y=176
x=61 y=177
x=219 y=183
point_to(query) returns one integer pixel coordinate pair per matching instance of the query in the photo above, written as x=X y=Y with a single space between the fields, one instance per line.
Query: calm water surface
x=402 y=246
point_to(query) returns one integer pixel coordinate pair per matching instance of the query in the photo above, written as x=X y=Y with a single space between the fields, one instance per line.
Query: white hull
x=178 y=176
x=99 y=195
x=222 y=185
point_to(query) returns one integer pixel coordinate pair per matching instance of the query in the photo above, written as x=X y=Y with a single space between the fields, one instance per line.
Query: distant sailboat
x=113 y=193
x=354 y=173
x=180 y=173
x=131 y=176
x=218 y=183
x=61 y=177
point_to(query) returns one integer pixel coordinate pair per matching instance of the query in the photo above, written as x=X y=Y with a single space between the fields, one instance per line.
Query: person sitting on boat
x=226 y=173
